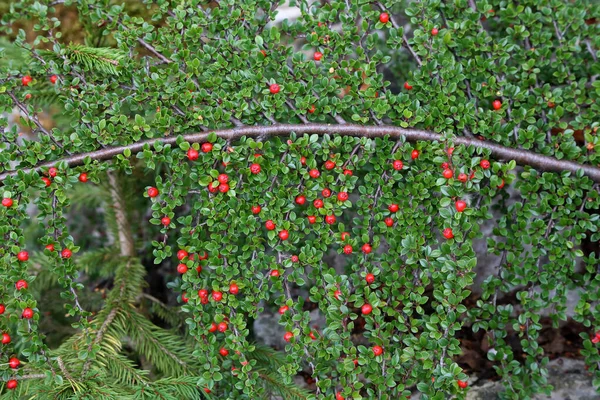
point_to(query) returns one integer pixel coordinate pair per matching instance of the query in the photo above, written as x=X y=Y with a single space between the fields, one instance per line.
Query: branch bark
x=520 y=156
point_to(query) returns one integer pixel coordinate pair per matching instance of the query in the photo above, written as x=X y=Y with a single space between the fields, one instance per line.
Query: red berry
x=337 y=294
x=434 y=31
x=393 y=208
x=462 y=177
x=213 y=327
x=184 y=298
x=312 y=336
x=448 y=173
x=384 y=18
x=300 y=200
x=217 y=296
x=53 y=79
x=11 y=384
x=329 y=165
x=23 y=256
x=14 y=362
x=166 y=221
x=256 y=209
x=460 y=205
x=348 y=172
x=275 y=273
x=485 y=164
x=407 y=86
x=389 y=222
x=6 y=202
x=450 y=151
x=342 y=196
x=303 y=160
x=223 y=188
x=312 y=109
x=47 y=181
x=318 y=203
x=222 y=327
x=366 y=248
x=284 y=234
x=445 y=165
x=344 y=236
x=182 y=268
x=52 y=172
x=497 y=104
x=347 y=249
x=314 y=173
x=199 y=268
x=398 y=165
x=192 y=154
x=50 y=247
x=181 y=254
x=83 y=177
x=318 y=55
x=255 y=168
x=274 y=88
x=330 y=219
x=501 y=185
x=295 y=259
x=152 y=192
x=312 y=219
x=26 y=80
x=462 y=384
x=270 y=225
x=377 y=350
x=338 y=396
x=366 y=309
x=27 y=313
x=21 y=284
x=2 y=309
x=326 y=193
x=204 y=256
x=224 y=352
x=5 y=338
x=283 y=309
x=355 y=361
x=415 y=154
x=288 y=336
x=370 y=278
x=223 y=178
x=448 y=233
x=66 y=253
x=206 y=147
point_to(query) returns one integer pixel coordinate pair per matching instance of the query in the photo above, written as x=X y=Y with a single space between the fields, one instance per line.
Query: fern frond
x=97 y=59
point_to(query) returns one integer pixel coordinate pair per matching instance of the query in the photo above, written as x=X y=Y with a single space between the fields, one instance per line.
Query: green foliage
x=155 y=69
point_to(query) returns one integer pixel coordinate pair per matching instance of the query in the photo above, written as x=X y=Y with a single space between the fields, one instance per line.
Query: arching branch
x=521 y=157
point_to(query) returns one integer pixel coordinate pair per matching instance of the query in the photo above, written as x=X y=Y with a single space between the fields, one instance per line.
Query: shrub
x=238 y=152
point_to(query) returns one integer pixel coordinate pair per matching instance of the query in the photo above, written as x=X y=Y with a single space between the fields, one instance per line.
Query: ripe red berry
x=166 y=221
x=338 y=396
x=407 y=86
x=192 y=154
x=312 y=219
x=202 y=293
x=434 y=31
x=462 y=384
x=314 y=173
x=222 y=327
x=294 y=258
x=213 y=327
x=303 y=160
x=274 y=88
x=348 y=172
x=152 y=192
x=6 y=202
x=501 y=185
x=46 y=181
x=445 y=165
x=330 y=219
x=389 y=222
x=275 y=273
x=270 y=225
x=448 y=173
x=224 y=188
x=318 y=55
x=21 y=284
x=326 y=193
x=312 y=336
x=485 y=164
x=2 y=309
x=52 y=172
x=337 y=294
x=206 y=147
x=50 y=247
x=217 y=296
x=318 y=203
x=284 y=234
x=11 y=384
x=182 y=268
x=224 y=352
x=66 y=253
x=450 y=151
x=414 y=154
x=27 y=313
x=288 y=336
x=366 y=248
x=256 y=209
x=223 y=178
x=462 y=177
x=181 y=254
x=460 y=205
x=5 y=338
x=23 y=256
x=312 y=109
x=344 y=236
x=377 y=350
x=366 y=309
x=14 y=362
x=255 y=168
x=26 y=80
x=53 y=79
x=347 y=249
x=204 y=256
x=184 y=298
x=342 y=196
x=497 y=104
x=398 y=165
x=300 y=200
x=448 y=233
x=370 y=278
x=329 y=165
x=283 y=309
x=384 y=18
x=83 y=177
x=393 y=208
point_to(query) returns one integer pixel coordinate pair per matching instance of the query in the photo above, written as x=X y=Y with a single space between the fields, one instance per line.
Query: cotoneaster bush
x=167 y=118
